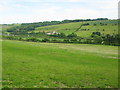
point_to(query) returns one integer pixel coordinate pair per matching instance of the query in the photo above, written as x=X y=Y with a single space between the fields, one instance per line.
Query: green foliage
x=45 y=40
x=95 y=33
x=97 y=39
x=73 y=35
x=66 y=40
x=32 y=39
x=86 y=24
x=61 y=35
x=112 y=39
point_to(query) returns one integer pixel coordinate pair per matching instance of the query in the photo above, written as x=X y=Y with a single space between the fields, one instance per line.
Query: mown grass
x=46 y=65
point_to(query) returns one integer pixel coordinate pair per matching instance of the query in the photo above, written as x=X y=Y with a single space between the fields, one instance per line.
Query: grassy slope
x=5 y=27
x=110 y=28
x=68 y=28
x=29 y=64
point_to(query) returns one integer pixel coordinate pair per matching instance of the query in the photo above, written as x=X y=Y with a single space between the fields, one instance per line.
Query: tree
x=97 y=39
x=95 y=33
x=94 y=24
x=73 y=35
x=61 y=35
x=45 y=40
x=66 y=40
x=73 y=40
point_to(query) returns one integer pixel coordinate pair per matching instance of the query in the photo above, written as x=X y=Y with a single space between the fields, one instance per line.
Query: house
x=51 y=33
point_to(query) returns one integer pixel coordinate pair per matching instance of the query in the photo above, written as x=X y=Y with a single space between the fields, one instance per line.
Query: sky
x=28 y=11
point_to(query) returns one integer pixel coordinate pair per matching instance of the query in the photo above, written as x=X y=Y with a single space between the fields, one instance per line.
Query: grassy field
x=69 y=28
x=66 y=28
x=45 y=65
x=110 y=28
x=5 y=27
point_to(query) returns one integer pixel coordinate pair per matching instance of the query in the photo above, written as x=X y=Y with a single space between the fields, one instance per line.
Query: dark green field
x=53 y=65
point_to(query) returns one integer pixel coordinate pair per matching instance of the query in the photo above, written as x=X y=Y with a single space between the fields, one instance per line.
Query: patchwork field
x=52 y=65
x=104 y=26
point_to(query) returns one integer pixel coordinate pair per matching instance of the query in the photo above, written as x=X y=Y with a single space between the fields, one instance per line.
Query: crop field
x=54 y=65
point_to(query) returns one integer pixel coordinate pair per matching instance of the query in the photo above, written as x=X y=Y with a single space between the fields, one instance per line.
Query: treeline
x=25 y=27
x=95 y=38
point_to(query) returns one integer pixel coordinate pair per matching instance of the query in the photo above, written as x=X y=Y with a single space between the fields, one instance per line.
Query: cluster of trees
x=103 y=24
x=95 y=38
x=80 y=20
x=114 y=24
x=62 y=35
x=105 y=39
x=85 y=29
x=86 y=24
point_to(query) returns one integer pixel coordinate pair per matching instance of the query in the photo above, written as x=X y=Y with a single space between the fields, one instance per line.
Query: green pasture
x=69 y=28
x=66 y=28
x=7 y=26
x=58 y=65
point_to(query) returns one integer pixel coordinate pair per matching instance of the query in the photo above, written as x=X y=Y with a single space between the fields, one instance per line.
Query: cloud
x=108 y=4
x=20 y=6
x=119 y=10
x=20 y=11
x=52 y=13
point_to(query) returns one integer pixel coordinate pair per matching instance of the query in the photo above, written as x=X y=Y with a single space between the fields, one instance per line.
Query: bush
x=72 y=35
x=66 y=40
x=32 y=39
x=73 y=40
x=45 y=40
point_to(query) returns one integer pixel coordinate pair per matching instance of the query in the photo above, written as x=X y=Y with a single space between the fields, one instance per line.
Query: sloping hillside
x=66 y=28
x=105 y=27
x=90 y=32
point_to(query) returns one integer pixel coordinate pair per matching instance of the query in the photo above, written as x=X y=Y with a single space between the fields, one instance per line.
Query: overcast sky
x=24 y=11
